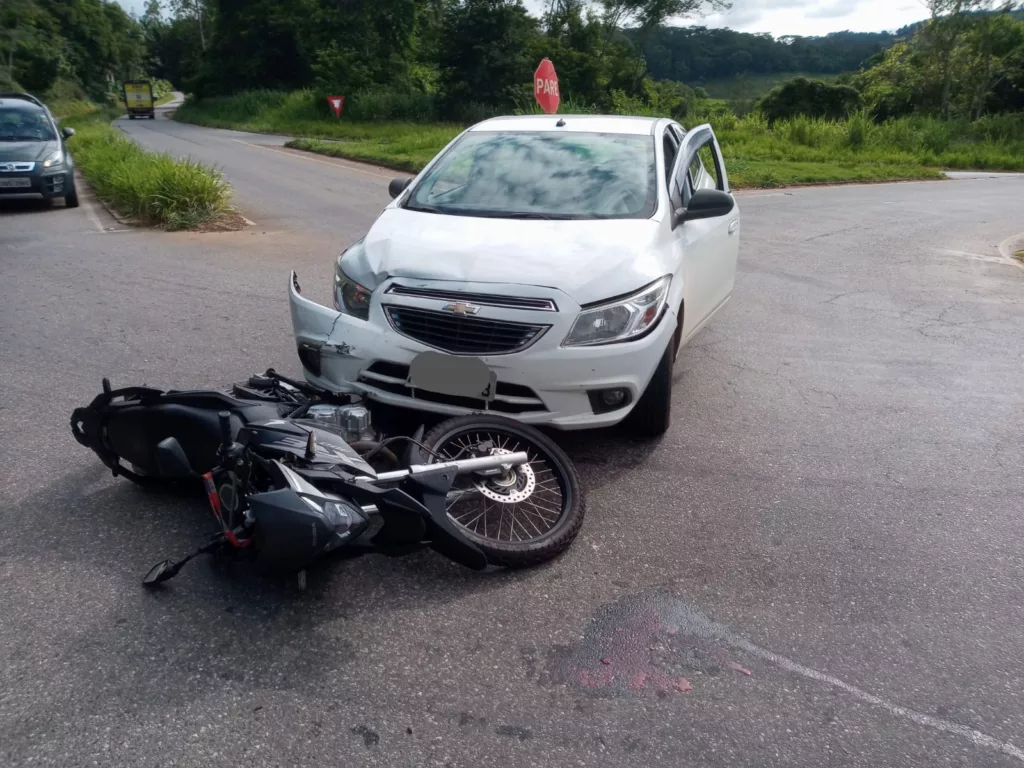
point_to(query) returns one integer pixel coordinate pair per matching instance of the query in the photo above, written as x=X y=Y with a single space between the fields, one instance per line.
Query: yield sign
x=336 y=102
x=545 y=87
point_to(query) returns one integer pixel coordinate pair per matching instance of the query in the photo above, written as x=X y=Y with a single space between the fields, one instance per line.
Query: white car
x=547 y=268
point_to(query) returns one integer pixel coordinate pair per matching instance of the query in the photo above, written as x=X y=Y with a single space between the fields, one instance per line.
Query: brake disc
x=517 y=486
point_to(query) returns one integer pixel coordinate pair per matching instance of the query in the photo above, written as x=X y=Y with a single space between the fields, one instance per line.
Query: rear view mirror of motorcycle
x=171 y=459
x=158 y=573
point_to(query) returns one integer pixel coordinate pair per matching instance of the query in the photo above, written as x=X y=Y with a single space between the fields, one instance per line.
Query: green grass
x=157 y=189
x=799 y=151
x=405 y=151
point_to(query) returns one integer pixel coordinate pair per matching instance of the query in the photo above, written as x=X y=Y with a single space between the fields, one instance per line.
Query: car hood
x=588 y=260
x=26 y=151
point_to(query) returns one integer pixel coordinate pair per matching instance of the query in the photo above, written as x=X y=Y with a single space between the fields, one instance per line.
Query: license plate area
x=19 y=183
x=454 y=376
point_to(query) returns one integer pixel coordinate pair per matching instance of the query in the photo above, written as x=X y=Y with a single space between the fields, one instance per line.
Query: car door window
x=698 y=165
x=703 y=172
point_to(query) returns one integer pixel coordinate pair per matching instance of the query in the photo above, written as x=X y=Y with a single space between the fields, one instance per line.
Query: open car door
x=709 y=244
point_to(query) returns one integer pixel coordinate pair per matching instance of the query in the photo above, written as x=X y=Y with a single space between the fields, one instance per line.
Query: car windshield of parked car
x=542 y=175
x=25 y=125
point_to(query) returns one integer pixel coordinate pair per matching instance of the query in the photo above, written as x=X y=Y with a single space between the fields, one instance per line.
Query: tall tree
x=646 y=15
x=484 y=56
x=948 y=23
x=197 y=11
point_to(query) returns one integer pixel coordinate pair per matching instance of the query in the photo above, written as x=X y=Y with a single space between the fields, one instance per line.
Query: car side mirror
x=705 y=204
x=398 y=186
x=68 y=132
x=171 y=459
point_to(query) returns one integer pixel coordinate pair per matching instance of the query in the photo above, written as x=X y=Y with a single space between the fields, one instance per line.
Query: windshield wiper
x=420 y=208
x=527 y=215
x=424 y=208
x=22 y=138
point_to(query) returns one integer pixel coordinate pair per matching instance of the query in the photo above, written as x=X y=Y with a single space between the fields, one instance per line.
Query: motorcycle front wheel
x=523 y=517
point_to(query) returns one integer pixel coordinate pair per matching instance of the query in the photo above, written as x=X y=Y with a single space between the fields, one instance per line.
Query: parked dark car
x=34 y=159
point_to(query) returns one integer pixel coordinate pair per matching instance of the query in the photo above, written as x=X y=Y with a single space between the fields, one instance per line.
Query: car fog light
x=613 y=397
x=607 y=400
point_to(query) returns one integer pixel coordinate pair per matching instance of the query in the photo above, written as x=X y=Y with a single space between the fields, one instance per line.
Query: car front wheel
x=652 y=415
x=71 y=199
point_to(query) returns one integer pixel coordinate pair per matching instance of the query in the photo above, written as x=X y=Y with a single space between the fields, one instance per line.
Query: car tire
x=652 y=415
x=152 y=117
x=71 y=199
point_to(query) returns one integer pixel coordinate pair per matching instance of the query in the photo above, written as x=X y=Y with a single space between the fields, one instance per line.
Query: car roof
x=637 y=126
x=18 y=102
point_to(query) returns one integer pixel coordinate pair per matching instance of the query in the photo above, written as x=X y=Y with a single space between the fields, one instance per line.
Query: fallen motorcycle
x=293 y=473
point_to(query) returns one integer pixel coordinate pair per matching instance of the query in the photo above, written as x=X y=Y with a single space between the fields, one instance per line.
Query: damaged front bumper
x=544 y=384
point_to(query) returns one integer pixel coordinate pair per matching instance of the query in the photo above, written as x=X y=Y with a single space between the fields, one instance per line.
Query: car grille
x=485 y=299
x=508 y=398
x=16 y=167
x=463 y=335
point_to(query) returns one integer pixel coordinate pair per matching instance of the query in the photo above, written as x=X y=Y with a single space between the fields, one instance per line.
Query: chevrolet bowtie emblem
x=458 y=308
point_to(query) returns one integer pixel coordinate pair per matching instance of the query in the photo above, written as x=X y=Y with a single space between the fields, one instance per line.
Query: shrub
x=380 y=104
x=568 y=106
x=858 y=129
x=158 y=189
x=812 y=98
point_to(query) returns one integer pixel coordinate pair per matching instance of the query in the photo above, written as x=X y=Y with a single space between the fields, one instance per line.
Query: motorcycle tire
x=513 y=435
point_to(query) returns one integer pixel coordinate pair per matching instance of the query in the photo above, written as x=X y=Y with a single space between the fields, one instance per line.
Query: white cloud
x=804 y=17
x=779 y=17
x=817 y=17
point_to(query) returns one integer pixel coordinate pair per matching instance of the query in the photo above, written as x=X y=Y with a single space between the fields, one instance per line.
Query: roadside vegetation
x=758 y=153
x=947 y=93
x=154 y=188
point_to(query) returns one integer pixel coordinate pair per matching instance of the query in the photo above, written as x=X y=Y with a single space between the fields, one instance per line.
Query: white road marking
x=936 y=723
x=1002 y=258
x=687 y=619
x=345 y=166
x=1008 y=246
x=90 y=210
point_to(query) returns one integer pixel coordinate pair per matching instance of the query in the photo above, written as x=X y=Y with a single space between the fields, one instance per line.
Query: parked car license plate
x=15 y=183
x=453 y=376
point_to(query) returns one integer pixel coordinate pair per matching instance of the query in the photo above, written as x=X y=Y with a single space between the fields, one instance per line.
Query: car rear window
x=544 y=174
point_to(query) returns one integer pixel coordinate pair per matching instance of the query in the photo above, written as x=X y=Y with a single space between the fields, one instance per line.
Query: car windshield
x=25 y=125
x=542 y=175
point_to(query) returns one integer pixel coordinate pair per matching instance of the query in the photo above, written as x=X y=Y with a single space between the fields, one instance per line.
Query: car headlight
x=621 y=320
x=350 y=297
x=54 y=160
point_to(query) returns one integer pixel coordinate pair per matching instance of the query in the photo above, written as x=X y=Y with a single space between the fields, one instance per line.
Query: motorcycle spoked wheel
x=525 y=517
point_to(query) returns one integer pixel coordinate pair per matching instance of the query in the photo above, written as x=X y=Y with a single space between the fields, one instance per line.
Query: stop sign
x=545 y=87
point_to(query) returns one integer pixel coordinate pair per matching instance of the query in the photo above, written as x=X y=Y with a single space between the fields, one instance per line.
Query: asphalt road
x=836 y=511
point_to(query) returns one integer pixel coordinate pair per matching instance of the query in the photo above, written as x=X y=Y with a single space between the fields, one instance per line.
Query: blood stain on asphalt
x=646 y=643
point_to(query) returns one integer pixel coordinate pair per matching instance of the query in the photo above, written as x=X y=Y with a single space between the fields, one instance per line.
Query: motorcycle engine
x=352 y=421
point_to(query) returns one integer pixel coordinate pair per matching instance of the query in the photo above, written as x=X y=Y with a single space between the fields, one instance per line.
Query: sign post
x=336 y=102
x=545 y=87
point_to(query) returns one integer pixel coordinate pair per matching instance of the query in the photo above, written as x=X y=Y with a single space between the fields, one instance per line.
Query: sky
x=783 y=17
